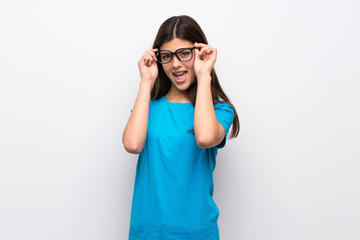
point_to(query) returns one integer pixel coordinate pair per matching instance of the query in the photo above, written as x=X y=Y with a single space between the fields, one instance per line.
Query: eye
x=185 y=53
x=165 y=56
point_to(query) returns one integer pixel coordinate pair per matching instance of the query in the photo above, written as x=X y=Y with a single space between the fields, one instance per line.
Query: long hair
x=185 y=27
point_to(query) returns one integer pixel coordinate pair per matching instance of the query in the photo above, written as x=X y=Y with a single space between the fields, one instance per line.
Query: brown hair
x=185 y=27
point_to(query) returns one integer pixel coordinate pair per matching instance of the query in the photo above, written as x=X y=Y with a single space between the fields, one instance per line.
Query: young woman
x=180 y=119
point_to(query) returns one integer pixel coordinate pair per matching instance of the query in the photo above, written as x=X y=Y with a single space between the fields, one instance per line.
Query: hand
x=205 y=59
x=148 y=67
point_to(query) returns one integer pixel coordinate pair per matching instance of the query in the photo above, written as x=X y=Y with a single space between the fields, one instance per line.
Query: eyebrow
x=176 y=49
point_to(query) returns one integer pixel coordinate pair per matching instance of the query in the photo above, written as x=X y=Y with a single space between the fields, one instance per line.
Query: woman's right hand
x=148 y=66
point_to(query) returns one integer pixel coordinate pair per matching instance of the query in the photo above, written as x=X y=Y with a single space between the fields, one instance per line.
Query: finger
x=200 y=45
x=151 y=54
x=197 y=55
x=150 y=58
x=211 y=53
x=154 y=52
x=204 y=48
x=201 y=52
x=215 y=52
x=205 y=51
x=147 y=60
x=145 y=57
x=150 y=62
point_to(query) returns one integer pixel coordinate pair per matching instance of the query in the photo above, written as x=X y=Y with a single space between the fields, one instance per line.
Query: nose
x=176 y=63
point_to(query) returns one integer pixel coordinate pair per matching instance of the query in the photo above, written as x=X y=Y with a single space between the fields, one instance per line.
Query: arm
x=208 y=131
x=135 y=132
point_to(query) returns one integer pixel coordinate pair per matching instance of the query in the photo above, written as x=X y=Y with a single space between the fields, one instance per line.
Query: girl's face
x=181 y=74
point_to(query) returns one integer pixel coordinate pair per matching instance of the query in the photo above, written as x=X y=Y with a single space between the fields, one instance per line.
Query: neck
x=174 y=95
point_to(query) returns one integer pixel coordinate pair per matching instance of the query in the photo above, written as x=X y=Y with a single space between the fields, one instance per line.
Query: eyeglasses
x=183 y=54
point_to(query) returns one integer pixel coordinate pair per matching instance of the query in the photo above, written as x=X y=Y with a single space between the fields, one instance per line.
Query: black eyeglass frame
x=174 y=53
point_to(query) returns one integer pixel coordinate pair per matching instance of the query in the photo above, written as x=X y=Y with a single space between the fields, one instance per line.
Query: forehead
x=175 y=44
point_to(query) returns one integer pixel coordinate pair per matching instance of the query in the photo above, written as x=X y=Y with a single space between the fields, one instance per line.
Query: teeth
x=179 y=73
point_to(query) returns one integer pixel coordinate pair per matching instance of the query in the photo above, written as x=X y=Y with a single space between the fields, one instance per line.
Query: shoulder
x=224 y=113
x=223 y=106
x=157 y=101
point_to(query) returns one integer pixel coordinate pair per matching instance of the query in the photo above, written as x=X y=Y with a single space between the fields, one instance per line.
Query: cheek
x=189 y=65
x=166 y=70
x=190 y=68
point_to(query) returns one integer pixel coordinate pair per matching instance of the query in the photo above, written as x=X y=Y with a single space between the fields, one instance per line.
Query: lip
x=181 y=78
x=179 y=71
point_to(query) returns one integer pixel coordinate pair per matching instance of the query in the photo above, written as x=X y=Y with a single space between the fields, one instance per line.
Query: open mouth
x=180 y=76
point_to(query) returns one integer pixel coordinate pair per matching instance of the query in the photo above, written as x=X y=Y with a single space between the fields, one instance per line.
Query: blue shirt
x=174 y=177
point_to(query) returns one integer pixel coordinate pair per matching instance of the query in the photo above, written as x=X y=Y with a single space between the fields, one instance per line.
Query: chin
x=181 y=86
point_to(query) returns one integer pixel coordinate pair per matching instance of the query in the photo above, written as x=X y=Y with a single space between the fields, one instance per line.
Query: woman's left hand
x=205 y=59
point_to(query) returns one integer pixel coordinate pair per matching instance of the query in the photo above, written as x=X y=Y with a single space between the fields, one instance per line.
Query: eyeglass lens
x=183 y=54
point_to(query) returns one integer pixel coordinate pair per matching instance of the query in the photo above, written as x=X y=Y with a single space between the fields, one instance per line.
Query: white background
x=69 y=78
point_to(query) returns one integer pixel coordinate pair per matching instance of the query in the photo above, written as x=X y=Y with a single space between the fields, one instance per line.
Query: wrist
x=203 y=78
x=146 y=84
